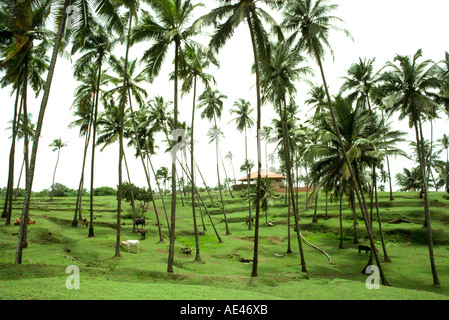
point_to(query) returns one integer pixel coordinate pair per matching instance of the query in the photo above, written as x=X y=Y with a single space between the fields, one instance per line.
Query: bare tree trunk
x=29 y=177
x=422 y=160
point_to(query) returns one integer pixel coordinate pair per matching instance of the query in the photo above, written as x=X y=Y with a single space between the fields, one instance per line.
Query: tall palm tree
x=193 y=67
x=84 y=104
x=96 y=48
x=310 y=20
x=407 y=82
x=57 y=145
x=23 y=23
x=171 y=26
x=103 y=8
x=278 y=74
x=212 y=102
x=249 y=11
x=243 y=122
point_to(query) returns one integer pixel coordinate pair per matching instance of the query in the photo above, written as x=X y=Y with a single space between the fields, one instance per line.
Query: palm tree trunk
x=7 y=209
x=40 y=120
x=389 y=180
x=248 y=181
x=341 y=217
x=286 y=144
x=314 y=220
x=192 y=177
x=147 y=176
x=19 y=179
x=171 y=250
x=226 y=175
x=359 y=194
x=133 y=206
x=386 y=257
x=223 y=206
x=78 y=206
x=121 y=149
x=54 y=175
x=204 y=205
x=259 y=155
x=422 y=160
x=94 y=135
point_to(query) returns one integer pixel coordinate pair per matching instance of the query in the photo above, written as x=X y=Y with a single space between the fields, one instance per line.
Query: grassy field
x=224 y=272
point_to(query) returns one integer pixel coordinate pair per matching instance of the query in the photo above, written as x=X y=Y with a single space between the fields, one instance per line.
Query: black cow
x=364 y=248
x=140 y=221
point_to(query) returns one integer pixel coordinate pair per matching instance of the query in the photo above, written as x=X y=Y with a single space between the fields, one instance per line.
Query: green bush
x=104 y=191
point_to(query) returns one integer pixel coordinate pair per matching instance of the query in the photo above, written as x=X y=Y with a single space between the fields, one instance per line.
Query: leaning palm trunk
x=7 y=209
x=422 y=160
x=360 y=195
x=29 y=177
x=223 y=206
x=147 y=176
x=202 y=202
x=54 y=175
x=286 y=143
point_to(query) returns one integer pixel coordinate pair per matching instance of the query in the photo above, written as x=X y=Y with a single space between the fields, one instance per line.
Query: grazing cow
x=130 y=243
x=364 y=248
x=85 y=223
x=140 y=221
x=142 y=231
x=31 y=221
x=247 y=220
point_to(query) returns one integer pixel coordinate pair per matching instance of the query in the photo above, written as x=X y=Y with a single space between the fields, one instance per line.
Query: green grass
x=224 y=272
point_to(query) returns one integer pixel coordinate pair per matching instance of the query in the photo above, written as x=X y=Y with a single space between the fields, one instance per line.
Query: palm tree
x=278 y=74
x=171 y=27
x=193 y=65
x=310 y=19
x=407 y=85
x=57 y=145
x=234 y=13
x=244 y=121
x=22 y=24
x=96 y=48
x=359 y=82
x=104 y=9
x=84 y=102
x=212 y=102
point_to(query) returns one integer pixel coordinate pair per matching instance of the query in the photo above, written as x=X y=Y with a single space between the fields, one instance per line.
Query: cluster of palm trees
x=343 y=145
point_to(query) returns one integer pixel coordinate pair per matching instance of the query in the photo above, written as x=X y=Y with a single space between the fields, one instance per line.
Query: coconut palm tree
x=234 y=13
x=278 y=74
x=96 y=49
x=212 y=103
x=57 y=145
x=310 y=22
x=22 y=24
x=171 y=26
x=244 y=122
x=104 y=9
x=407 y=82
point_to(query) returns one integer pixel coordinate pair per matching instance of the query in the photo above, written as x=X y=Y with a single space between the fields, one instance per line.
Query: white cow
x=130 y=243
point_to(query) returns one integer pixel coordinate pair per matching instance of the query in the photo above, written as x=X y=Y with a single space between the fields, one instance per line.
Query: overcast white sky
x=380 y=29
